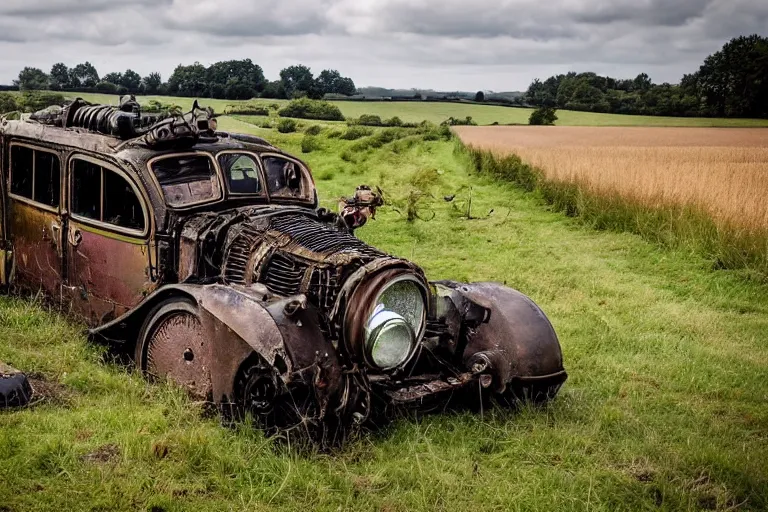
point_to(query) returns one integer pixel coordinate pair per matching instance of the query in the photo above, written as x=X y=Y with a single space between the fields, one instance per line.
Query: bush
x=106 y=87
x=157 y=107
x=374 y=120
x=286 y=126
x=543 y=116
x=379 y=139
x=453 y=121
x=32 y=101
x=442 y=132
x=8 y=103
x=246 y=109
x=369 y=120
x=309 y=144
x=305 y=108
x=315 y=129
x=356 y=132
x=335 y=134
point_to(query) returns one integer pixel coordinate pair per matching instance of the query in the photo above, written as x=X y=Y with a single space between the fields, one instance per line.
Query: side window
x=86 y=189
x=121 y=206
x=187 y=179
x=285 y=178
x=47 y=179
x=22 y=169
x=35 y=175
x=242 y=173
x=101 y=194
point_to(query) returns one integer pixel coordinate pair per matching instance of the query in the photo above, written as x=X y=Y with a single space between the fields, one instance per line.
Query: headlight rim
x=367 y=293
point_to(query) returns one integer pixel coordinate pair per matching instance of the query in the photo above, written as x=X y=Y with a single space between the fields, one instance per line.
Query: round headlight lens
x=389 y=338
x=404 y=297
x=395 y=324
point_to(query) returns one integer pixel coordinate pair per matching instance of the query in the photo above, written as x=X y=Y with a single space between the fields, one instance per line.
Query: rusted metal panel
x=107 y=273
x=36 y=238
x=515 y=343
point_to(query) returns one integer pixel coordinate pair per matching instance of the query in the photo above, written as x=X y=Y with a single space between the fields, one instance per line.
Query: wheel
x=276 y=408
x=290 y=412
x=172 y=345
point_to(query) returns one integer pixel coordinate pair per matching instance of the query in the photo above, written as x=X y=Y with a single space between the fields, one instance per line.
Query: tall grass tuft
x=687 y=225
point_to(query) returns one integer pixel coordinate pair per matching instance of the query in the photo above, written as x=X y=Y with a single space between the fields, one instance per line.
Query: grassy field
x=712 y=183
x=664 y=408
x=481 y=114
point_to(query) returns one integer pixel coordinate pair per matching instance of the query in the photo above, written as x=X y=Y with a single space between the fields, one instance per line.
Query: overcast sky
x=499 y=45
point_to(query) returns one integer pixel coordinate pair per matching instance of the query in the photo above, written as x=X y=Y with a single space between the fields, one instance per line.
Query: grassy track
x=481 y=114
x=665 y=405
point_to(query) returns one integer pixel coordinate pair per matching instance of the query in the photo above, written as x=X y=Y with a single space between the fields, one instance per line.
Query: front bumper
x=418 y=391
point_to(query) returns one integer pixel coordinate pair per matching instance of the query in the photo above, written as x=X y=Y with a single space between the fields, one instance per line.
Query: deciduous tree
x=84 y=75
x=32 y=79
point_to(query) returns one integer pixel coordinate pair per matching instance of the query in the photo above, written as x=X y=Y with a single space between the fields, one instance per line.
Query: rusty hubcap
x=176 y=350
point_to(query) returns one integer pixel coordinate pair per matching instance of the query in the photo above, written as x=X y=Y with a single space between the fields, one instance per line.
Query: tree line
x=233 y=79
x=732 y=82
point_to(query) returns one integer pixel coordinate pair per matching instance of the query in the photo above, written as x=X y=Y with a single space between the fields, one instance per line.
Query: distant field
x=720 y=172
x=513 y=137
x=481 y=114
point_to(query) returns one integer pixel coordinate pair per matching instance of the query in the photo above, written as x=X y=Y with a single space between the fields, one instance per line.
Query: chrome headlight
x=389 y=339
x=388 y=319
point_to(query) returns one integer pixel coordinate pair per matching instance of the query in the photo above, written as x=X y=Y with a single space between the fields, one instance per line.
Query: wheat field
x=721 y=171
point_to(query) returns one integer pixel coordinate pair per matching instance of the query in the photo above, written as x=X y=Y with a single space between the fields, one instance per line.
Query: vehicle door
x=33 y=215
x=109 y=240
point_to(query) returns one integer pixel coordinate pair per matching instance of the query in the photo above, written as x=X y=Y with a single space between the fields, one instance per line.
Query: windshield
x=187 y=179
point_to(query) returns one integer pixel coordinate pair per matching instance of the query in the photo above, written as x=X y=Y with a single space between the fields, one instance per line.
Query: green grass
x=481 y=114
x=685 y=227
x=664 y=407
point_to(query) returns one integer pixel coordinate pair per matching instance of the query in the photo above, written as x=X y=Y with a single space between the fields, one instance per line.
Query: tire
x=172 y=345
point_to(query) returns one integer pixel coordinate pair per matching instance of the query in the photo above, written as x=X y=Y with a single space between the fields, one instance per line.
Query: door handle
x=75 y=237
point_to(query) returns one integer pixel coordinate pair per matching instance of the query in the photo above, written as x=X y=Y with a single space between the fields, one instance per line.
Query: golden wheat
x=722 y=171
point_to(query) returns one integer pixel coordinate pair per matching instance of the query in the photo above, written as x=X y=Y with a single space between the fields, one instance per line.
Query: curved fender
x=240 y=321
x=515 y=341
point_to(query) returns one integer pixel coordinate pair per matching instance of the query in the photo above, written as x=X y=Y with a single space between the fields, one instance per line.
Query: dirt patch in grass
x=49 y=391
x=102 y=454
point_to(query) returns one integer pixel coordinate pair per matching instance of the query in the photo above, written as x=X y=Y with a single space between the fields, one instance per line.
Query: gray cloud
x=233 y=19
x=449 y=44
x=47 y=8
x=670 y=13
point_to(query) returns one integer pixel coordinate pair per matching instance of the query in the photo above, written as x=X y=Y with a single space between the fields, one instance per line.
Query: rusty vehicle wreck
x=205 y=255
